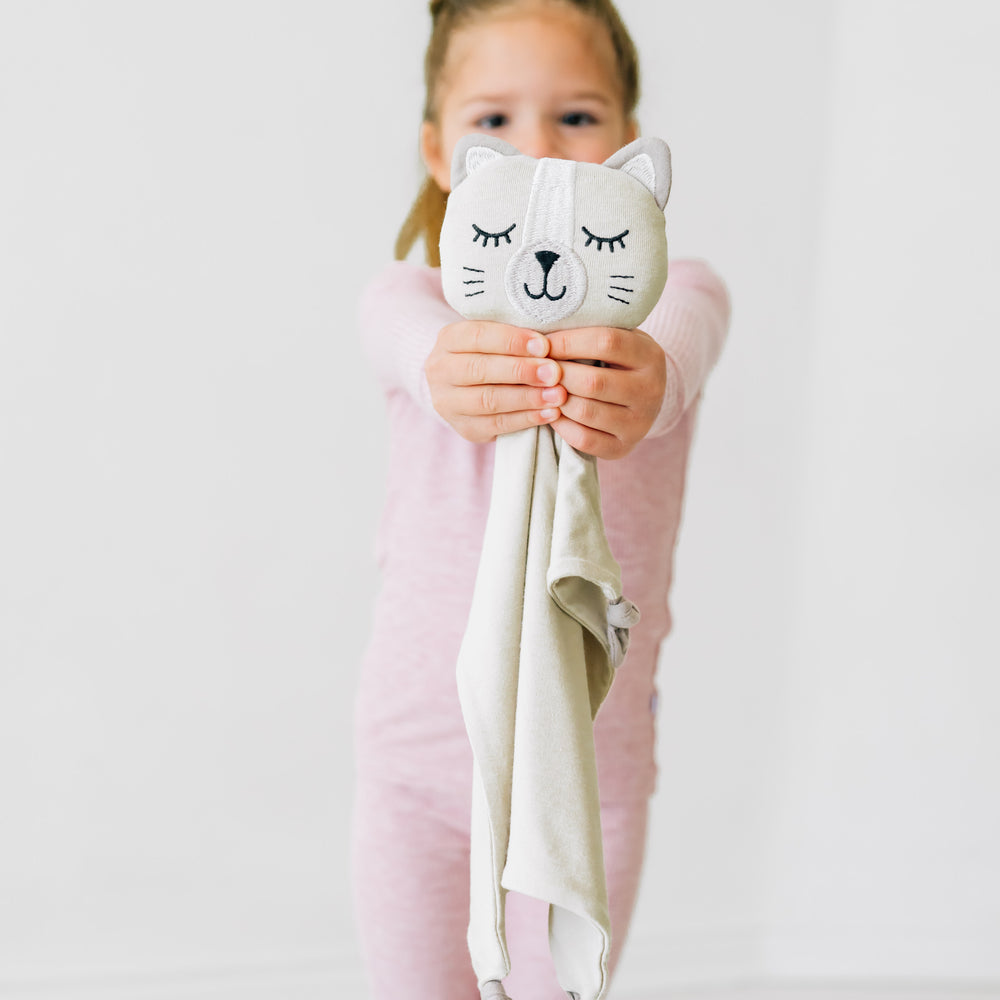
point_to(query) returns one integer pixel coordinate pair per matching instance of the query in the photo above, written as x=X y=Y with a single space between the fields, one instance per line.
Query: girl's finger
x=589 y=440
x=472 y=337
x=488 y=428
x=495 y=369
x=609 y=418
x=598 y=343
x=609 y=385
x=494 y=400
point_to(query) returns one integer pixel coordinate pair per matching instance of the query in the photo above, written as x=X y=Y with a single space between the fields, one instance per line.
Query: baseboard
x=798 y=989
x=301 y=978
x=682 y=965
x=754 y=962
x=685 y=957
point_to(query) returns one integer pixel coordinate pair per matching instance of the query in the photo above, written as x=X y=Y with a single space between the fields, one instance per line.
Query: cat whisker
x=479 y=270
x=621 y=288
x=474 y=281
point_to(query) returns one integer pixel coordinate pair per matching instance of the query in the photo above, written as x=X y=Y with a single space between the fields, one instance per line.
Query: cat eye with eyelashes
x=496 y=237
x=609 y=240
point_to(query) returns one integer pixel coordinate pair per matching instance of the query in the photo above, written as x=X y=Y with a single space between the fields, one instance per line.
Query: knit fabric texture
x=550 y=244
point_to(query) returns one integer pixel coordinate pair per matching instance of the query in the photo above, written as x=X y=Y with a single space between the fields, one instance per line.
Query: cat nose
x=546 y=258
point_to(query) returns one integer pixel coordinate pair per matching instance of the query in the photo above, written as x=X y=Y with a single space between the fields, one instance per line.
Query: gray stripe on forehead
x=550 y=204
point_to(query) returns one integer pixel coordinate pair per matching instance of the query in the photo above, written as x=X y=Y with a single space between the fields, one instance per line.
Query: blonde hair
x=425 y=217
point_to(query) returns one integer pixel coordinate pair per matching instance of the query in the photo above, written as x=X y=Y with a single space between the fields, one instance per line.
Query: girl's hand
x=608 y=410
x=488 y=378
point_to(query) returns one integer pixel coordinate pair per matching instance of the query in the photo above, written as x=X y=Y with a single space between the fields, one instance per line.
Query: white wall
x=191 y=468
x=885 y=850
x=829 y=806
x=749 y=170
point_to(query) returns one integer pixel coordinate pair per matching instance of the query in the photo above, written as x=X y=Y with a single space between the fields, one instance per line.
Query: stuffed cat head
x=554 y=244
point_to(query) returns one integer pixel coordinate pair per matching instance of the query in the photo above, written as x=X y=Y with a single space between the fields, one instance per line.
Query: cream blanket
x=549 y=244
x=548 y=626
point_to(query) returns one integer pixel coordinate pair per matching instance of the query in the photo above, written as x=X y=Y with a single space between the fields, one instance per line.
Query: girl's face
x=541 y=75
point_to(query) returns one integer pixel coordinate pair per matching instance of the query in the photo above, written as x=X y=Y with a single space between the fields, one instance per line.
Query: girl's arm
x=484 y=379
x=690 y=323
x=481 y=378
x=401 y=314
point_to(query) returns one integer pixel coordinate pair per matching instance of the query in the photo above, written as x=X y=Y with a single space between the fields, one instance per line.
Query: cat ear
x=648 y=161
x=474 y=151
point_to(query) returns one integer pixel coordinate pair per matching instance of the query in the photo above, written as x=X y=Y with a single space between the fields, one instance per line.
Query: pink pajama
x=414 y=763
x=411 y=893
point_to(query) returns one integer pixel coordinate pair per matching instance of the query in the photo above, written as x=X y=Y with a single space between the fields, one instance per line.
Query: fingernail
x=548 y=373
x=549 y=415
x=537 y=347
x=551 y=395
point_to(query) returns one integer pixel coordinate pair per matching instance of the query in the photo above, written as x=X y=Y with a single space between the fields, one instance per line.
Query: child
x=555 y=78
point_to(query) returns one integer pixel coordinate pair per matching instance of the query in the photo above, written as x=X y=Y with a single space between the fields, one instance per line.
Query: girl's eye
x=481 y=234
x=578 y=118
x=492 y=121
x=610 y=240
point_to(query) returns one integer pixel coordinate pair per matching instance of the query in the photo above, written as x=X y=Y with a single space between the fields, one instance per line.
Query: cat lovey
x=548 y=245
x=554 y=244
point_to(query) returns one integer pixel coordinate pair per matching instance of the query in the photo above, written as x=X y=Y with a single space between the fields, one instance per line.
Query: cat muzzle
x=546 y=281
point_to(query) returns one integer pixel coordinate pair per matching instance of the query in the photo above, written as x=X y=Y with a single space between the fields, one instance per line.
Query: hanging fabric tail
x=534 y=667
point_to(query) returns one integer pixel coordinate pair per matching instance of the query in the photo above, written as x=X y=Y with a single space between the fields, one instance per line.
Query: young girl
x=555 y=78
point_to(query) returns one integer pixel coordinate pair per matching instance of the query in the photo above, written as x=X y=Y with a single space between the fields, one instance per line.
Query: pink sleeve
x=401 y=313
x=690 y=323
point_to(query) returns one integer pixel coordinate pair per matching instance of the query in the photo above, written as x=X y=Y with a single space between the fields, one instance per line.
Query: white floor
x=813 y=992
x=322 y=983
x=324 y=991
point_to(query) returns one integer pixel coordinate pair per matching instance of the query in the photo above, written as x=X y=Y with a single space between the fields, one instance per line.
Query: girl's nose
x=539 y=141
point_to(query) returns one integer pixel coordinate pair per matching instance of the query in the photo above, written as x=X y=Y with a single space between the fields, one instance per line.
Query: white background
x=192 y=453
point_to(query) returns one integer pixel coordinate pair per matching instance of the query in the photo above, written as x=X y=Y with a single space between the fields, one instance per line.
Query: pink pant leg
x=532 y=976
x=410 y=855
x=411 y=891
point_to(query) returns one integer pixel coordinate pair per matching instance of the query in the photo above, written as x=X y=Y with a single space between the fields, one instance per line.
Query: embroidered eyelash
x=496 y=237
x=601 y=240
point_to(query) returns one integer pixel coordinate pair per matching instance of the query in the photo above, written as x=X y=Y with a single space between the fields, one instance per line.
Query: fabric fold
x=536 y=662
